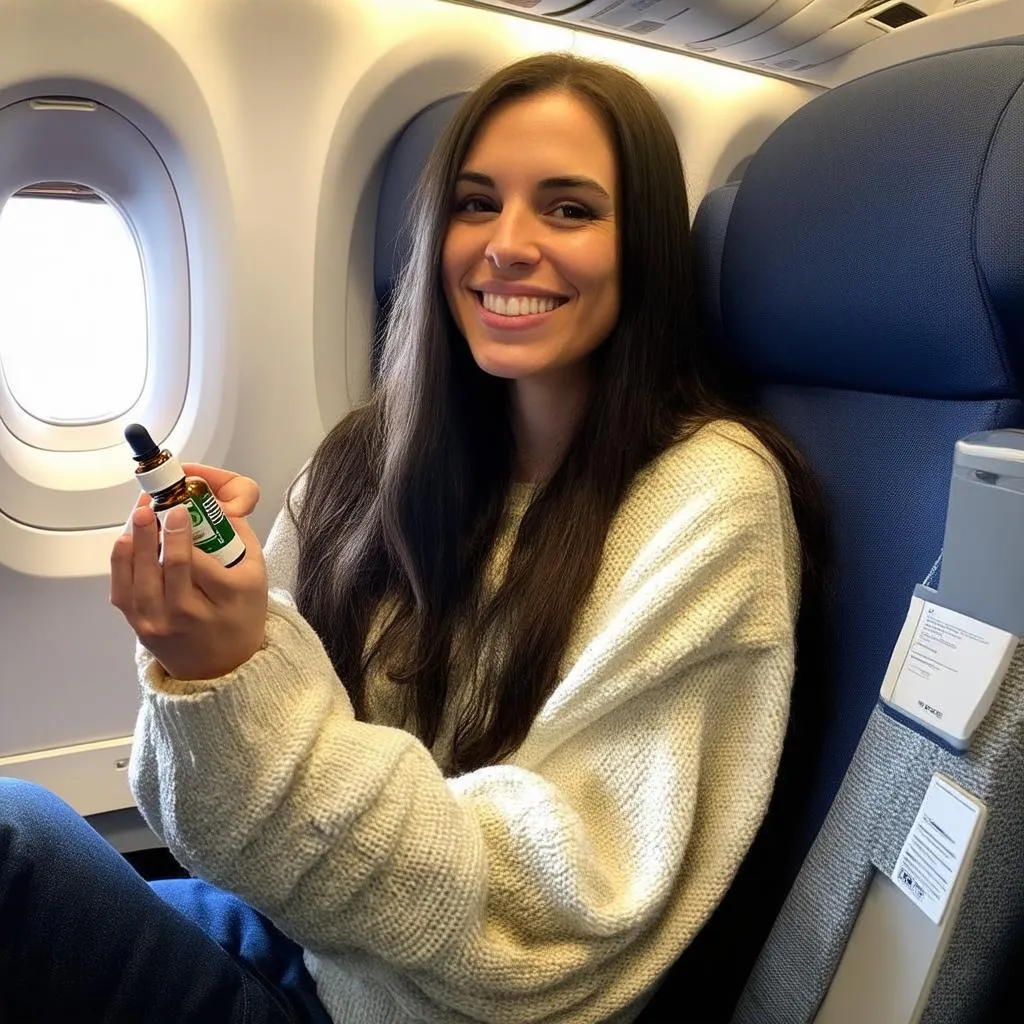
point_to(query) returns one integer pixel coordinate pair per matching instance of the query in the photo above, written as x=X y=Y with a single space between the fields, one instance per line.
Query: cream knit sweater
x=558 y=885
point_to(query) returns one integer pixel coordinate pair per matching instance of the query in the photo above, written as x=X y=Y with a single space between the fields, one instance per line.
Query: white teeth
x=517 y=305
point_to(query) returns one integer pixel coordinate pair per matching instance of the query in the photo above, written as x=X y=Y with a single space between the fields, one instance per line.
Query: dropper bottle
x=162 y=475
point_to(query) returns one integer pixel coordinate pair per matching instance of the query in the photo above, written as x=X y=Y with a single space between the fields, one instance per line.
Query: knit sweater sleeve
x=557 y=884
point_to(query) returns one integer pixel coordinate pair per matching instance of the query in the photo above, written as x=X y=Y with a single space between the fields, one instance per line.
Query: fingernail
x=140 y=517
x=177 y=520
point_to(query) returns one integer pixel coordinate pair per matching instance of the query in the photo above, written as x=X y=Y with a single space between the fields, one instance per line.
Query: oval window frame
x=74 y=139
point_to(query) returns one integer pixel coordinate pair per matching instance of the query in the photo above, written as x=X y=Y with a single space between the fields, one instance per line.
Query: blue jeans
x=84 y=938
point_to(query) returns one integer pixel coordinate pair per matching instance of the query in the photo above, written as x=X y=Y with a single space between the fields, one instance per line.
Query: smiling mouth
x=512 y=306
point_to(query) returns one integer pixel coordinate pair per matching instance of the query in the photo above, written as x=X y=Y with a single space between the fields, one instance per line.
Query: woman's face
x=530 y=260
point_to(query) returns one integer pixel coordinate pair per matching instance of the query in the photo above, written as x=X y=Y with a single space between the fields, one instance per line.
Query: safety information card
x=946 y=669
x=940 y=846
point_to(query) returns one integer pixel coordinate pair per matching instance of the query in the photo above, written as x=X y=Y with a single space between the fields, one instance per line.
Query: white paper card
x=946 y=668
x=940 y=845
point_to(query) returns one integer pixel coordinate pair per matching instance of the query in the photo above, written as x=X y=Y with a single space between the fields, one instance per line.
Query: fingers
x=217 y=582
x=157 y=593
x=238 y=495
x=148 y=584
x=213 y=475
x=122 y=574
x=177 y=560
x=249 y=539
x=153 y=588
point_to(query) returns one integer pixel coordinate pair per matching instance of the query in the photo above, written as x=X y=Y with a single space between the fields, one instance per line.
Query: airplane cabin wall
x=273 y=117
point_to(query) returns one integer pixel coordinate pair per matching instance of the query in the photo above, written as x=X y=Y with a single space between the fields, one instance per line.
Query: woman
x=504 y=752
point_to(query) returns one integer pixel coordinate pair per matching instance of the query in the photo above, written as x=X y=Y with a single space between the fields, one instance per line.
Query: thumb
x=249 y=539
x=217 y=581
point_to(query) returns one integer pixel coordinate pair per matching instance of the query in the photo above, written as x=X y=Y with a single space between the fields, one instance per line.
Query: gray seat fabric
x=864 y=832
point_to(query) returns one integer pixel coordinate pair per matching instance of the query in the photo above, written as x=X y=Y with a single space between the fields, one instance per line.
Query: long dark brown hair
x=405 y=496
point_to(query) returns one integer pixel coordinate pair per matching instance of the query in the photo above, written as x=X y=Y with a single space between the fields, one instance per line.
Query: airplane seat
x=868 y=274
x=403 y=165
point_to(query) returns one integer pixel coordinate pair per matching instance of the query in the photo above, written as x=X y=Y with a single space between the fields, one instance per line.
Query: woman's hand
x=237 y=495
x=199 y=619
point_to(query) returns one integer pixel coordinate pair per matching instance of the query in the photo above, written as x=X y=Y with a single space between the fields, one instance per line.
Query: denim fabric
x=84 y=938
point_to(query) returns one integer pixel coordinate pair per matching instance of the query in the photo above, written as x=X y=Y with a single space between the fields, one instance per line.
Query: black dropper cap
x=142 y=444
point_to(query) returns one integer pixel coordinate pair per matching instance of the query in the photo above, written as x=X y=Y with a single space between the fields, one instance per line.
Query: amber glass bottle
x=161 y=474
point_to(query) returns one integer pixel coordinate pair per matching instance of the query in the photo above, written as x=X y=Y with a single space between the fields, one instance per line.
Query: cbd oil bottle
x=162 y=475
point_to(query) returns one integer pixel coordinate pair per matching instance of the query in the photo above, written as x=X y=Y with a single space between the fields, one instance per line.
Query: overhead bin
x=667 y=22
x=774 y=14
x=538 y=7
x=855 y=31
x=785 y=37
x=820 y=17
x=787 y=23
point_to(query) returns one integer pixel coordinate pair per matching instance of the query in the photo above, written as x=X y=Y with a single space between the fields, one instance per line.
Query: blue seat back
x=403 y=166
x=868 y=272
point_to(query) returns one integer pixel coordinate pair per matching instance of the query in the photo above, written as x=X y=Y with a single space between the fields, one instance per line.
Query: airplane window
x=73 y=335
x=96 y=310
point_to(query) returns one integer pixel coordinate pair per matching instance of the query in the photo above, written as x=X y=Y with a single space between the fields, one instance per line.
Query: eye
x=572 y=211
x=475 y=204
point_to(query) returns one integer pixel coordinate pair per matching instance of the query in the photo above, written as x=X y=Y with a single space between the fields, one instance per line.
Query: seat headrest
x=402 y=170
x=876 y=242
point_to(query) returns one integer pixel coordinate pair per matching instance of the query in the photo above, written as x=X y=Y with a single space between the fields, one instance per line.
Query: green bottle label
x=211 y=529
x=216 y=529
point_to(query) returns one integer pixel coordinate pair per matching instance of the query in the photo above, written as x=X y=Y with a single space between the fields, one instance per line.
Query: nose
x=513 y=242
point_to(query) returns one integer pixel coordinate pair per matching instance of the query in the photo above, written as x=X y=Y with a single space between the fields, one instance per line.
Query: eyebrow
x=545 y=185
